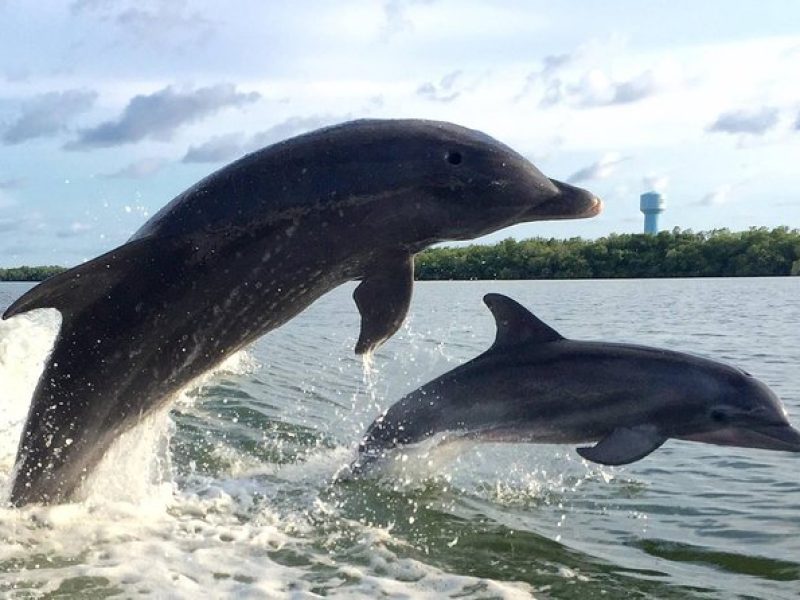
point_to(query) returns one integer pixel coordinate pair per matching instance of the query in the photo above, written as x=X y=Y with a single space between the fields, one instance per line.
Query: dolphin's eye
x=718 y=416
x=453 y=157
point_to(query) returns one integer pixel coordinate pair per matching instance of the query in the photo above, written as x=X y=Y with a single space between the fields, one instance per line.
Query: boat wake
x=146 y=525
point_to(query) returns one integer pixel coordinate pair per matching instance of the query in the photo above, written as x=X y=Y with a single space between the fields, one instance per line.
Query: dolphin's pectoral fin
x=383 y=298
x=82 y=285
x=624 y=445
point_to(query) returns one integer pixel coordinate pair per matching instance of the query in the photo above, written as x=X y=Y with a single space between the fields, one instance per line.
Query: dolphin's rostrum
x=245 y=250
x=533 y=385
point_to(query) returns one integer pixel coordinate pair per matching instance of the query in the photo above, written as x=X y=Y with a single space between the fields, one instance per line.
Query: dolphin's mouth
x=570 y=203
x=595 y=209
x=768 y=437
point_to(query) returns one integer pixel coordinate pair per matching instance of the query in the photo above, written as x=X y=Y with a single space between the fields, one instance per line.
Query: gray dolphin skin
x=245 y=250
x=533 y=385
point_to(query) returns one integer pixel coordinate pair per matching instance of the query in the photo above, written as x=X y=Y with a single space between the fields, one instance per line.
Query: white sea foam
x=138 y=531
x=25 y=342
x=137 y=468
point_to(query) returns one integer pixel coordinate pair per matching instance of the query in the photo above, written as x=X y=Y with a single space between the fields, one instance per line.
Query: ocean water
x=232 y=493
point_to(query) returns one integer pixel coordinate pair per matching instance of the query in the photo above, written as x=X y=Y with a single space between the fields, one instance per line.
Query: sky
x=110 y=108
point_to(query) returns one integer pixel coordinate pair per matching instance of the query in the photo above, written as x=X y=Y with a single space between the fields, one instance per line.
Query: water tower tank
x=652 y=204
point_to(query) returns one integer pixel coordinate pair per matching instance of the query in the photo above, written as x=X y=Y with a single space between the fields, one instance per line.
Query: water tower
x=652 y=204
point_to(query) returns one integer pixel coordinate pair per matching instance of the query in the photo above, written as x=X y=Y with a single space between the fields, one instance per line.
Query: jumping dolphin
x=245 y=250
x=533 y=385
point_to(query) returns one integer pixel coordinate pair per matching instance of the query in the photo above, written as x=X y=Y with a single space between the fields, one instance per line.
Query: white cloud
x=219 y=148
x=585 y=78
x=140 y=169
x=14 y=183
x=655 y=183
x=291 y=127
x=158 y=115
x=718 y=196
x=24 y=222
x=598 y=88
x=75 y=229
x=443 y=91
x=600 y=169
x=396 y=16
x=8 y=224
x=47 y=115
x=168 y=23
x=6 y=186
x=751 y=121
x=233 y=145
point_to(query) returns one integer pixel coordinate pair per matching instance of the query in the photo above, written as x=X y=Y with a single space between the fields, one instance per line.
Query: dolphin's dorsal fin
x=516 y=324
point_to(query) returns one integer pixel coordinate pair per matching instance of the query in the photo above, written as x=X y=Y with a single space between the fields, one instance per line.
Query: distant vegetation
x=718 y=253
x=29 y=273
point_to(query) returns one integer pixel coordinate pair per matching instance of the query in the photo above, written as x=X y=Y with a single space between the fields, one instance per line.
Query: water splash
x=137 y=467
x=435 y=460
x=25 y=342
x=370 y=375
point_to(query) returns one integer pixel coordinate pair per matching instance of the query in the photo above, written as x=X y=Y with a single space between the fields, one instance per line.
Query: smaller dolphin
x=533 y=385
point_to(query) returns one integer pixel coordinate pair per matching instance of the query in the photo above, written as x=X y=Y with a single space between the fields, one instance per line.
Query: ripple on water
x=232 y=495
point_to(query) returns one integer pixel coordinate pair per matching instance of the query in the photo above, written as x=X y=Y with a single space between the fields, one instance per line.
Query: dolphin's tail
x=84 y=284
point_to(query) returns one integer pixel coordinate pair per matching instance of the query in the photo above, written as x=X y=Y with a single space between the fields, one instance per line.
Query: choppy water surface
x=231 y=494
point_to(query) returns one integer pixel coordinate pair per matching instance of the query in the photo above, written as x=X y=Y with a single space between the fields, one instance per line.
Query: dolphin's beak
x=570 y=203
x=769 y=437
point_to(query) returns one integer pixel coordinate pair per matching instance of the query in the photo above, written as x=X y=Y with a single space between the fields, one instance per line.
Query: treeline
x=718 y=253
x=29 y=273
